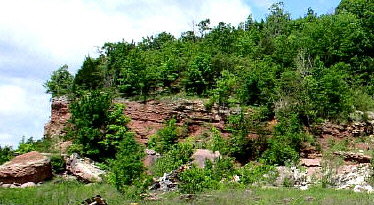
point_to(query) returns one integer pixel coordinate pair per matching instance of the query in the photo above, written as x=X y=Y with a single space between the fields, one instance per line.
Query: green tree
x=96 y=123
x=127 y=167
x=61 y=82
x=90 y=76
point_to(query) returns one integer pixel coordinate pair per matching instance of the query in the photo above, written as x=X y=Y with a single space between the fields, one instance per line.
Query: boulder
x=83 y=168
x=201 y=155
x=29 y=167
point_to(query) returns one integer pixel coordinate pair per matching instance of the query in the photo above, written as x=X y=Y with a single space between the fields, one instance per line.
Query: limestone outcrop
x=29 y=167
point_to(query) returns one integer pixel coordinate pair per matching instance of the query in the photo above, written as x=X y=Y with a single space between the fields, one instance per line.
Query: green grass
x=64 y=192
x=60 y=193
x=274 y=196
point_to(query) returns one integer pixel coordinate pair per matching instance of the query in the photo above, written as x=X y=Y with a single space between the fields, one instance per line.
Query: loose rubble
x=169 y=181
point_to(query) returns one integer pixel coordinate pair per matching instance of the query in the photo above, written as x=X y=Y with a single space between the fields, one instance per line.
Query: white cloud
x=13 y=100
x=69 y=29
x=24 y=109
x=6 y=140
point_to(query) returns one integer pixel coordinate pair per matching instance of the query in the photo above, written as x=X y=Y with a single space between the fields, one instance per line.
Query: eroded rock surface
x=147 y=117
x=29 y=167
x=59 y=118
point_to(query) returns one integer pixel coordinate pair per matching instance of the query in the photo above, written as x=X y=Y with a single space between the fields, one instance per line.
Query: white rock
x=28 y=184
x=305 y=187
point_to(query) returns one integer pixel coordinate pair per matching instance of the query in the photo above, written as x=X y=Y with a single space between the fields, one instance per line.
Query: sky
x=39 y=36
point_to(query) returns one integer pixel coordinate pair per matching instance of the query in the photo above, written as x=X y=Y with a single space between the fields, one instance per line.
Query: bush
x=179 y=154
x=252 y=172
x=196 y=180
x=217 y=142
x=58 y=164
x=280 y=153
x=26 y=146
x=165 y=138
x=127 y=168
x=61 y=82
x=95 y=124
x=6 y=154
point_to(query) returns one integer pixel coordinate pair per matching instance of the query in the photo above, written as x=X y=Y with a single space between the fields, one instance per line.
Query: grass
x=275 y=196
x=71 y=192
x=59 y=192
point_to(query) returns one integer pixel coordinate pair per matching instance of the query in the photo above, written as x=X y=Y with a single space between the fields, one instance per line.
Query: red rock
x=148 y=117
x=354 y=157
x=201 y=155
x=59 y=118
x=29 y=167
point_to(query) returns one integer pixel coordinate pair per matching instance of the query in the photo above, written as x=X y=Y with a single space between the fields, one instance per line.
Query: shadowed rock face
x=29 y=167
x=148 y=117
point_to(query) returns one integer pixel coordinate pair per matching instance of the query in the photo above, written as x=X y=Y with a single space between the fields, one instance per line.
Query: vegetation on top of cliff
x=314 y=66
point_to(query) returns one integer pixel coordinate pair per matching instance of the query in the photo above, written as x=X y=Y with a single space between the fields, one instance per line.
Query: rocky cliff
x=147 y=117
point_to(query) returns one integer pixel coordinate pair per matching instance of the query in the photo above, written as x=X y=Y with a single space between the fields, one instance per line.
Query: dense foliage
x=311 y=66
x=98 y=125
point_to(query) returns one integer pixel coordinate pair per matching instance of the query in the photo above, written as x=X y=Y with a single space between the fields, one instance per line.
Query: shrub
x=217 y=142
x=58 y=164
x=6 y=154
x=127 y=168
x=165 y=138
x=96 y=123
x=252 y=172
x=60 y=83
x=221 y=168
x=279 y=152
x=179 y=154
x=26 y=146
x=196 y=180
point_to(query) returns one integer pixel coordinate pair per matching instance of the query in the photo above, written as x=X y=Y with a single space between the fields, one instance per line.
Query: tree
x=90 y=76
x=97 y=125
x=60 y=83
x=127 y=168
x=277 y=20
x=204 y=27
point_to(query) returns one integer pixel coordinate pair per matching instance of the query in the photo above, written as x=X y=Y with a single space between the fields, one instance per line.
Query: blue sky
x=40 y=36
